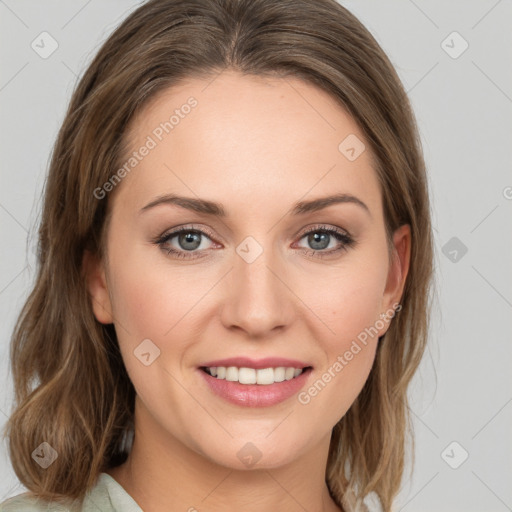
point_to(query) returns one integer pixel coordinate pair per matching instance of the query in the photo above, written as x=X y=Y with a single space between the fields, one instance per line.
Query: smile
x=250 y=387
x=263 y=376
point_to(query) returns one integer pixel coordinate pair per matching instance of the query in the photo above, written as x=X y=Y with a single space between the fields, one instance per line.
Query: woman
x=235 y=258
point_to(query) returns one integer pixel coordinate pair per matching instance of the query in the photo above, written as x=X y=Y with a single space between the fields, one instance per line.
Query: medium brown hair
x=71 y=387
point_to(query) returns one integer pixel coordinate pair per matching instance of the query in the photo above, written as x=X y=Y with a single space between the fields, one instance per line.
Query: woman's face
x=278 y=275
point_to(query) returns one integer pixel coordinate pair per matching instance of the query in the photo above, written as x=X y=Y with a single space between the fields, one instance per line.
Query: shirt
x=109 y=496
x=106 y=496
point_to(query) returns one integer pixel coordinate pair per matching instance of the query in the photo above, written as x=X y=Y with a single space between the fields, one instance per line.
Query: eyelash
x=346 y=241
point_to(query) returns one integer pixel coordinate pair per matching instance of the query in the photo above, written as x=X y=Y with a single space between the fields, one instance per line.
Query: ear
x=94 y=274
x=397 y=273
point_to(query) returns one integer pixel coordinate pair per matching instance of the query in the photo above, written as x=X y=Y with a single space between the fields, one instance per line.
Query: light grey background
x=463 y=392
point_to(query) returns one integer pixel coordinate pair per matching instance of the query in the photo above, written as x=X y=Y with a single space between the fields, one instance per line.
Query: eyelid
x=185 y=227
x=322 y=227
x=205 y=230
x=344 y=238
x=342 y=235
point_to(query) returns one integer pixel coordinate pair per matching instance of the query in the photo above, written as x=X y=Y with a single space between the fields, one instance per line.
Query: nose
x=258 y=299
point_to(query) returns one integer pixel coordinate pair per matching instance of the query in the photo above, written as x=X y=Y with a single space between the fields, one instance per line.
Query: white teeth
x=279 y=374
x=289 y=373
x=232 y=373
x=264 y=376
x=247 y=376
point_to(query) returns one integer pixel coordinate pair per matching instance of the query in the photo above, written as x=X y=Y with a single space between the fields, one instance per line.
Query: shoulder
x=27 y=502
x=107 y=495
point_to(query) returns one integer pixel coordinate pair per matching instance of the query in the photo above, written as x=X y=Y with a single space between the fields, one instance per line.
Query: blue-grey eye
x=189 y=240
x=319 y=240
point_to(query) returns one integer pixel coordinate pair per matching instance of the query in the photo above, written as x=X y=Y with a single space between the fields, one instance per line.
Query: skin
x=258 y=146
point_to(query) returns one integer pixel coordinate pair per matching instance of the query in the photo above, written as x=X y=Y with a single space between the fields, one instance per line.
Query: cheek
x=347 y=300
x=149 y=297
x=152 y=302
x=349 y=304
x=350 y=308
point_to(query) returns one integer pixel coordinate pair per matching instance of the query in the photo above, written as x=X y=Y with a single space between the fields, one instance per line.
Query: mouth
x=251 y=387
x=255 y=376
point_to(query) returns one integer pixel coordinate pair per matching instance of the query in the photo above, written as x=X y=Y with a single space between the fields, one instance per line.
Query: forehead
x=232 y=137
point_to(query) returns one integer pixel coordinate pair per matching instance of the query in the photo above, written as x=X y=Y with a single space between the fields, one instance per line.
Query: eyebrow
x=217 y=209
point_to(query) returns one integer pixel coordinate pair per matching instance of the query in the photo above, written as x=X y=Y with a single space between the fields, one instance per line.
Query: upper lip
x=247 y=362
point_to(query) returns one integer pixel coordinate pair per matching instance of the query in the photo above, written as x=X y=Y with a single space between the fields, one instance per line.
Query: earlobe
x=399 y=267
x=94 y=274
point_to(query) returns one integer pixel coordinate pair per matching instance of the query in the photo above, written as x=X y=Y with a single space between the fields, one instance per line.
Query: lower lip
x=255 y=395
